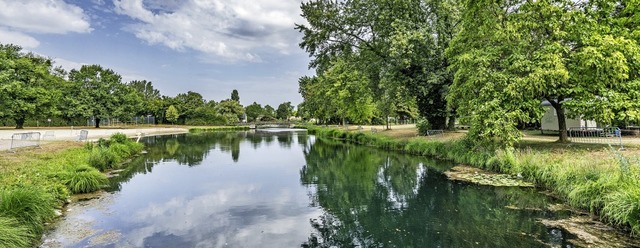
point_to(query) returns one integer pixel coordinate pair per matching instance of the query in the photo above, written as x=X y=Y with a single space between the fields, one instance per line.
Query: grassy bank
x=597 y=179
x=221 y=128
x=35 y=184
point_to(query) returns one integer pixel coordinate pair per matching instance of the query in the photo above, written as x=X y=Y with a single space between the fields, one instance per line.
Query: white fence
x=596 y=135
x=19 y=140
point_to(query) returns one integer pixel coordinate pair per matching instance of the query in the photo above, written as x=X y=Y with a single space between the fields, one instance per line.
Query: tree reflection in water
x=192 y=149
x=378 y=199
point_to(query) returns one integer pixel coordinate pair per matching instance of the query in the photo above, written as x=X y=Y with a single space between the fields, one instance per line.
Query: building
x=550 y=119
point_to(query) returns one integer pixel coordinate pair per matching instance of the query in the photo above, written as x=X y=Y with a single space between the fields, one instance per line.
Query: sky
x=207 y=46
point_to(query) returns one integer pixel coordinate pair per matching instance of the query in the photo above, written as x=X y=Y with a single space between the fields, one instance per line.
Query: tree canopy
x=511 y=55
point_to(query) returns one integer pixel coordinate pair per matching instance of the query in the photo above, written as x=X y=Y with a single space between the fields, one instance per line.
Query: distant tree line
x=488 y=63
x=33 y=91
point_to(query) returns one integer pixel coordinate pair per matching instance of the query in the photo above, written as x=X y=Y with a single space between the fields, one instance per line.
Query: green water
x=289 y=189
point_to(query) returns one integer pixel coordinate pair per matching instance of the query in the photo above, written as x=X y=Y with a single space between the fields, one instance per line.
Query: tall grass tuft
x=29 y=205
x=82 y=179
x=102 y=158
x=14 y=234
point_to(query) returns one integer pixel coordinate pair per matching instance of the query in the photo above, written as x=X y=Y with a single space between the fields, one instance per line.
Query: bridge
x=270 y=124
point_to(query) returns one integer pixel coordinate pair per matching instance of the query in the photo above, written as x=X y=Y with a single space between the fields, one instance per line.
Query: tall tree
x=172 y=114
x=510 y=55
x=231 y=110
x=27 y=87
x=100 y=91
x=187 y=103
x=235 y=96
x=404 y=39
x=284 y=111
x=269 y=112
x=349 y=93
x=254 y=111
x=150 y=96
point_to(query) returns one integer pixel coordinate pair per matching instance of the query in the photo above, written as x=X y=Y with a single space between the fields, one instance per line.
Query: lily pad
x=478 y=176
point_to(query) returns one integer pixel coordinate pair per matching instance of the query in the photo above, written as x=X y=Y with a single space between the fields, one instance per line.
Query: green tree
x=510 y=55
x=269 y=112
x=150 y=96
x=27 y=87
x=172 y=114
x=349 y=94
x=401 y=40
x=187 y=104
x=235 y=96
x=254 y=111
x=100 y=91
x=231 y=110
x=284 y=111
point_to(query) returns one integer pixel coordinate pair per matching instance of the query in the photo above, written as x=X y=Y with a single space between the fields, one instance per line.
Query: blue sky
x=207 y=46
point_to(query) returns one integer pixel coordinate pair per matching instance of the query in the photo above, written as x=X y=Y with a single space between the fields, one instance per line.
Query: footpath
x=71 y=134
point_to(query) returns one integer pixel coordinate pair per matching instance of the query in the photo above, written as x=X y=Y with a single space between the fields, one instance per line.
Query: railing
x=596 y=135
x=434 y=133
x=19 y=140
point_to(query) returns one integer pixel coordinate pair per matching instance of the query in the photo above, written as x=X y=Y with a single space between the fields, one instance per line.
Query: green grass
x=591 y=177
x=82 y=179
x=29 y=205
x=215 y=129
x=33 y=183
x=107 y=154
x=14 y=234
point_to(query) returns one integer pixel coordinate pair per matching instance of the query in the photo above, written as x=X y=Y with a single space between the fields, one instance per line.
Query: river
x=284 y=188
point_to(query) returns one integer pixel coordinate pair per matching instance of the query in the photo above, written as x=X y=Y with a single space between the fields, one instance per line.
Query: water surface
x=282 y=188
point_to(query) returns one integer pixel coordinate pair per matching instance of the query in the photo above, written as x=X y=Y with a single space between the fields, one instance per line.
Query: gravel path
x=93 y=133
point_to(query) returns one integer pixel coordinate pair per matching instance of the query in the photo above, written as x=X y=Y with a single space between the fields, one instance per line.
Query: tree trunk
x=452 y=120
x=97 y=122
x=562 y=121
x=19 y=123
x=562 y=126
x=387 y=121
x=437 y=122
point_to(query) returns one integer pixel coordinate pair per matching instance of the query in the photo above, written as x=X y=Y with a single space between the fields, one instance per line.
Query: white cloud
x=37 y=16
x=10 y=37
x=227 y=29
x=67 y=64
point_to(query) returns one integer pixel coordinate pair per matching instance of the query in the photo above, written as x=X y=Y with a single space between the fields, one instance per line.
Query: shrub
x=29 y=205
x=88 y=146
x=14 y=234
x=104 y=143
x=119 y=138
x=82 y=179
x=423 y=126
x=134 y=148
x=103 y=159
x=121 y=150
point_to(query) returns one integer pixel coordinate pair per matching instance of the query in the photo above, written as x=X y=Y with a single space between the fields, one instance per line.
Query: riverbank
x=49 y=135
x=35 y=183
x=601 y=180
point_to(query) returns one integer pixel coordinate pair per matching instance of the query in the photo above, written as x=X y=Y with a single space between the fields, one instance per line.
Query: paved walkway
x=93 y=133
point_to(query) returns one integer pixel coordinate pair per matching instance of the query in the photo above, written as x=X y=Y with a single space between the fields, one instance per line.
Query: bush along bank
x=606 y=184
x=31 y=193
x=215 y=129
